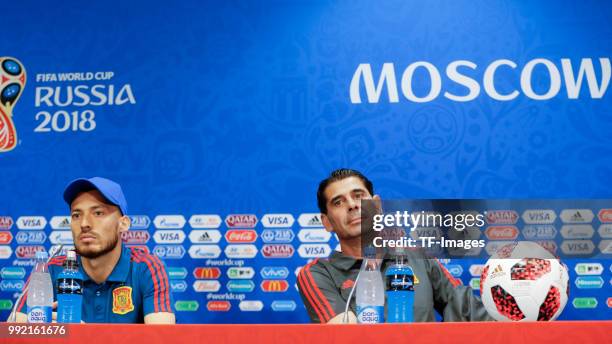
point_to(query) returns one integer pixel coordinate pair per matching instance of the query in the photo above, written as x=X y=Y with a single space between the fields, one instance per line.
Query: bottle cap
x=71 y=255
x=41 y=255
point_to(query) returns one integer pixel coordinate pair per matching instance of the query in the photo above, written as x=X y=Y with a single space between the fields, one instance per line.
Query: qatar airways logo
x=571 y=73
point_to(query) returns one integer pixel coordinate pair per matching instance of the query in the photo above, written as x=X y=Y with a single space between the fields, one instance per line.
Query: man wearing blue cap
x=120 y=285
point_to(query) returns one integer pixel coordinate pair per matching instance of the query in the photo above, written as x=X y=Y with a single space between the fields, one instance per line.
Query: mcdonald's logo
x=206 y=273
x=274 y=286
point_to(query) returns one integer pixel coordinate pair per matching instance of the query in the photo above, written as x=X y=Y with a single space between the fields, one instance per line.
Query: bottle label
x=69 y=286
x=39 y=314
x=370 y=314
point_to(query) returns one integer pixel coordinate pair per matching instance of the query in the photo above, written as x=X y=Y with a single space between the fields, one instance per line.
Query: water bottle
x=370 y=293
x=70 y=291
x=400 y=292
x=40 y=291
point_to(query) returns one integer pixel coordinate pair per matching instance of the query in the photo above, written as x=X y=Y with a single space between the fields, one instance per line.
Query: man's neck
x=98 y=269
x=351 y=247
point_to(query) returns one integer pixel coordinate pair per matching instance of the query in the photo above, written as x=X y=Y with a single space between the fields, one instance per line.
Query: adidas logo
x=498 y=269
x=577 y=217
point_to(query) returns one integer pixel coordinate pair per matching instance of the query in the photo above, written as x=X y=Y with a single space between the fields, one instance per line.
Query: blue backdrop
x=242 y=107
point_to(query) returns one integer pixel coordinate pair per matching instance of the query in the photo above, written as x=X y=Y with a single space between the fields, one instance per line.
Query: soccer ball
x=524 y=282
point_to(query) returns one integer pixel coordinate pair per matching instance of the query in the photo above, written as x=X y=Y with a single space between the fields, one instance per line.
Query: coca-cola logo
x=241 y=221
x=605 y=215
x=241 y=236
x=502 y=232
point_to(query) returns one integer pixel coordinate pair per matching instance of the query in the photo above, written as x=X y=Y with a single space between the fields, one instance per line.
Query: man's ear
x=326 y=223
x=124 y=223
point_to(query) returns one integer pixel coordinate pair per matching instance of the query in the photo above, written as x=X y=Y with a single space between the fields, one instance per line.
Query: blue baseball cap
x=108 y=188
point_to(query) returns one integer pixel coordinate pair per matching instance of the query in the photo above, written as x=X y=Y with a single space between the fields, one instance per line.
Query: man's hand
x=339 y=319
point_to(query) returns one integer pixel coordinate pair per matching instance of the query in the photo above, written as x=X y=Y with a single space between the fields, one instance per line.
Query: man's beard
x=110 y=245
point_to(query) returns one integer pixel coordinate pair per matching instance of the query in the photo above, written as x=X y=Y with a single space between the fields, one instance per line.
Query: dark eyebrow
x=335 y=199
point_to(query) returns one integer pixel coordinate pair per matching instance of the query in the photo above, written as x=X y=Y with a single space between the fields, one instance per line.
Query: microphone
x=13 y=315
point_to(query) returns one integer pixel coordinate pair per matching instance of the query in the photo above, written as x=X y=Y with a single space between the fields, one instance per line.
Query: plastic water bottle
x=400 y=292
x=40 y=291
x=70 y=291
x=370 y=293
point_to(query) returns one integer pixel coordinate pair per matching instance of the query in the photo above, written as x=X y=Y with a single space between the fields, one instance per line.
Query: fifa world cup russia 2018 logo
x=12 y=83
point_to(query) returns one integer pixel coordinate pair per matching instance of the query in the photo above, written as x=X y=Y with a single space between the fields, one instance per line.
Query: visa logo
x=539 y=216
x=169 y=236
x=314 y=250
x=277 y=220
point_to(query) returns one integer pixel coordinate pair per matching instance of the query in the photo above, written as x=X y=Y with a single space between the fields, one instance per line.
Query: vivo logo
x=277 y=220
x=169 y=221
x=205 y=221
x=538 y=216
x=277 y=235
x=557 y=73
x=169 y=251
x=12 y=285
x=140 y=222
x=204 y=251
x=274 y=272
x=31 y=237
x=314 y=235
x=31 y=222
x=178 y=286
x=314 y=250
x=169 y=236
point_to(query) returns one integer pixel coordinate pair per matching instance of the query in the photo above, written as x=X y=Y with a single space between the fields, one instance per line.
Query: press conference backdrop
x=220 y=118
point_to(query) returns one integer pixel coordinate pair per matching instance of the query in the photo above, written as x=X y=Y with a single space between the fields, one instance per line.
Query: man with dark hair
x=120 y=285
x=325 y=284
